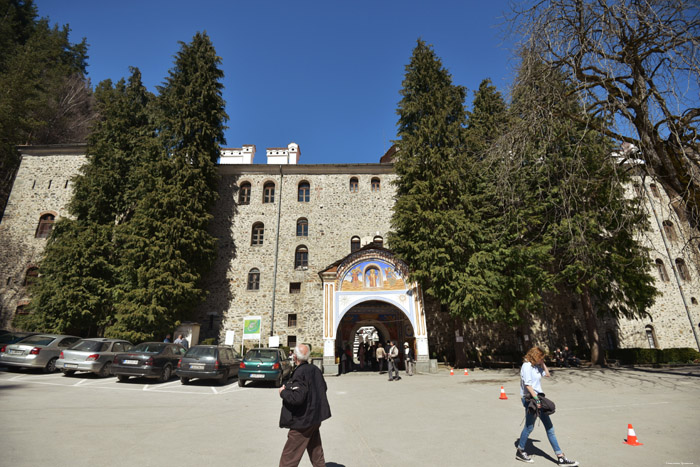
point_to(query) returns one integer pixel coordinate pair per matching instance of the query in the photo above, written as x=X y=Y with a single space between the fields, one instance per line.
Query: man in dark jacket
x=304 y=407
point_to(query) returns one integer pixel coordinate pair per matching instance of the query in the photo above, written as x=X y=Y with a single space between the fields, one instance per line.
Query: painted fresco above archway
x=372 y=275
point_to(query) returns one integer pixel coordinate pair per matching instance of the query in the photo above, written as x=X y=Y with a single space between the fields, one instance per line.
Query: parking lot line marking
x=214 y=389
x=80 y=382
x=145 y=388
x=163 y=385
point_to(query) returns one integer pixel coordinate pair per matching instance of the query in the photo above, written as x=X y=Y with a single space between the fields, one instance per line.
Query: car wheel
x=241 y=382
x=106 y=370
x=165 y=375
x=123 y=378
x=68 y=372
x=224 y=378
x=184 y=380
x=278 y=381
x=51 y=366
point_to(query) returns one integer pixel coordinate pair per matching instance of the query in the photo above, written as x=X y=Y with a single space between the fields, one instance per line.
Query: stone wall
x=42 y=185
x=334 y=214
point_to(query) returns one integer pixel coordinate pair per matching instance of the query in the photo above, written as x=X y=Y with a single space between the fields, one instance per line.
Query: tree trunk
x=597 y=354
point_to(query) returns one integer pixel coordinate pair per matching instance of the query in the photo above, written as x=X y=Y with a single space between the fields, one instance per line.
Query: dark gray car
x=92 y=355
x=208 y=362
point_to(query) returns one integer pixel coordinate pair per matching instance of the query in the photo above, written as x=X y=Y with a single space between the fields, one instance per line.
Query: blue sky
x=324 y=74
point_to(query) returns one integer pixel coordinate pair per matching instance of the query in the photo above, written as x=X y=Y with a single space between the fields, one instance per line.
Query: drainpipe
x=277 y=249
x=673 y=267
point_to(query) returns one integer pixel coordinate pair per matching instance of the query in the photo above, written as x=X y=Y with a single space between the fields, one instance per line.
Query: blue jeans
x=530 y=425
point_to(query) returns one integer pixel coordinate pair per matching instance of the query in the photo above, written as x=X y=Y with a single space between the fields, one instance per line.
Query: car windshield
x=201 y=352
x=264 y=355
x=38 y=340
x=149 y=347
x=90 y=346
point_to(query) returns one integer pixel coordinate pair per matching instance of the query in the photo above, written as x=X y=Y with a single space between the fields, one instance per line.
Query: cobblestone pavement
x=422 y=420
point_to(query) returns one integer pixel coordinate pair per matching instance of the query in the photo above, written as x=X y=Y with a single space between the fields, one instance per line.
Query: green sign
x=251 y=327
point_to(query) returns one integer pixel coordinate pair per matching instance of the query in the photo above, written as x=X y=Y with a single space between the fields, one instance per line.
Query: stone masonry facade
x=345 y=201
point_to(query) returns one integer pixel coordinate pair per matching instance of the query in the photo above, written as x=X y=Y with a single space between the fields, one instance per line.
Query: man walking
x=391 y=356
x=304 y=407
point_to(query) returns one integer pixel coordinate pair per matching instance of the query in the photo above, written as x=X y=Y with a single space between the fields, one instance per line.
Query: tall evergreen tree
x=427 y=215
x=75 y=292
x=583 y=217
x=166 y=247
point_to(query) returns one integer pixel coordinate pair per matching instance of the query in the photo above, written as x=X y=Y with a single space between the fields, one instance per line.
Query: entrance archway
x=370 y=288
x=391 y=324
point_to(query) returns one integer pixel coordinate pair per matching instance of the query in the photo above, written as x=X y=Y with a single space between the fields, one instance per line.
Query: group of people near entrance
x=305 y=406
x=375 y=357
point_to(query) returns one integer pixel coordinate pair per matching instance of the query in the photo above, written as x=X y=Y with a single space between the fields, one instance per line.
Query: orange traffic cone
x=503 y=394
x=452 y=371
x=466 y=373
x=632 y=437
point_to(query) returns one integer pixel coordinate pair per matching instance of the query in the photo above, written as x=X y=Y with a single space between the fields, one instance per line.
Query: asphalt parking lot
x=421 y=420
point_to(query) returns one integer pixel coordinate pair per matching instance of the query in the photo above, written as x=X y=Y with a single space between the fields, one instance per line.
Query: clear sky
x=324 y=74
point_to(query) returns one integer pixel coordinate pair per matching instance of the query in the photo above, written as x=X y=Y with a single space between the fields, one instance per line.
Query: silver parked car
x=92 y=355
x=38 y=351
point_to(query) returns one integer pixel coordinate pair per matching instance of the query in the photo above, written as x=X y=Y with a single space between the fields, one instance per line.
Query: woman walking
x=530 y=388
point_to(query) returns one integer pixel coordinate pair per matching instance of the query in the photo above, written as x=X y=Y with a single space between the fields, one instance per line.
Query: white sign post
x=230 y=338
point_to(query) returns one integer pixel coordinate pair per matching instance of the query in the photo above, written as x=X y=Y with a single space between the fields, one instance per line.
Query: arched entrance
x=368 y=288
x=372 y=322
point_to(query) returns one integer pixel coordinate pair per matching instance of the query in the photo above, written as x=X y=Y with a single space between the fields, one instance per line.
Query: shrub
x=209 y=341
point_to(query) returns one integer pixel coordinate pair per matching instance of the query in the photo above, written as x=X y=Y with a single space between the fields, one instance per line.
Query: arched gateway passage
x=369 y=288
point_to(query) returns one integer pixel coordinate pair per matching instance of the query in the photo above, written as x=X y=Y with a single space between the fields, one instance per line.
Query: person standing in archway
x=392 y=355
x=408 y=358
x=381 y=356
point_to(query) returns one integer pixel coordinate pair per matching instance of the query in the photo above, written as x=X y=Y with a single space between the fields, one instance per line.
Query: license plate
x=196 y=366
x=131 y=362
x=255 y=375
x=70 y=365
x=15 y=352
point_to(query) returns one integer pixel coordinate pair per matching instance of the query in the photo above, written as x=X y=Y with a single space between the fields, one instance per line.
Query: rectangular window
x=295 y=287
x=292 y=320
x=291 y=342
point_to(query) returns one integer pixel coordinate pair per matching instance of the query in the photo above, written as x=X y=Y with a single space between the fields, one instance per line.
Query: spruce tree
x=575 y=191
x=428 y=221
x=75 y=292
x=165 y=246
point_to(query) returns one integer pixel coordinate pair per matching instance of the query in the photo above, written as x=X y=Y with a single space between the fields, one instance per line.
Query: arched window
x=45 y=226
x=682 y=269
x=301 y=257
x=244 y=193
x=30 y=277
x=253 y=279
x=654 y=190
x=378 y=241
x=304 y=192
x=354 y=244
x=662 y=270
x=670 y=231
x=651 y=336
x=354 y=185
x=269 y=192
x=376 y=184
x=302 y=227
x=258 y=234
